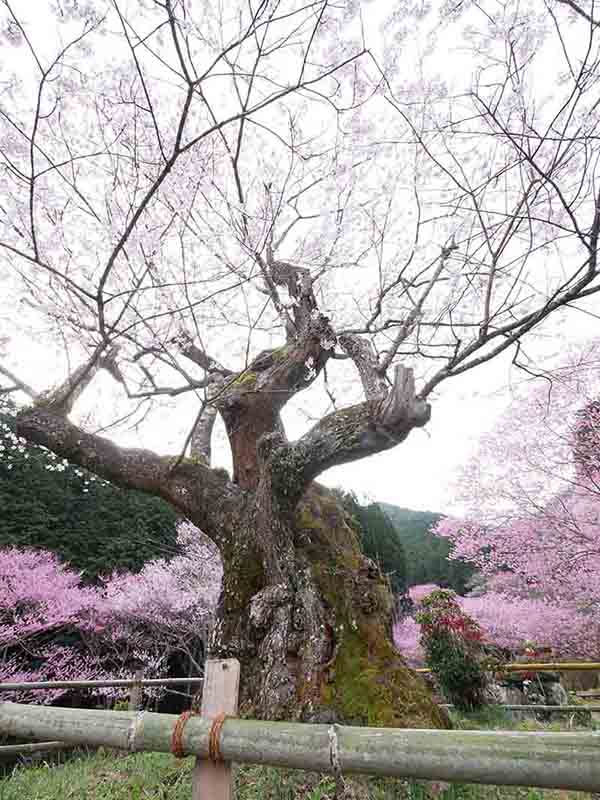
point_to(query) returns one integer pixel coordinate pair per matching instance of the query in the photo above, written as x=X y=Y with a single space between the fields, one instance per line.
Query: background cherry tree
x=513 y=624
x=532 y=493
x=53 y=628
x=532 y=516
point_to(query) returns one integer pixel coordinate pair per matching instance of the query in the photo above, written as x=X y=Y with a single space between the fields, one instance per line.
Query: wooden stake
x=220 y=696
x=135 y=695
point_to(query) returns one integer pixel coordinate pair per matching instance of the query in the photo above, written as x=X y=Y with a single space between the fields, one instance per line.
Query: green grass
x=158 y=776
x=494 y=718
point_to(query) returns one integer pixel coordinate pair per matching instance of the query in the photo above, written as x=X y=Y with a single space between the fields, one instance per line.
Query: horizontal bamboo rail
x=550 y=666
x=134 y=683
x=525 y=707
x=117 y=682
x=37 y=747
x=569 y=760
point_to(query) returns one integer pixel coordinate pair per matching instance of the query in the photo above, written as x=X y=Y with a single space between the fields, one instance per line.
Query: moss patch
x=372 y=686
x=244 y=575
x=279 y=353
x=246 y=380
x=367 y=682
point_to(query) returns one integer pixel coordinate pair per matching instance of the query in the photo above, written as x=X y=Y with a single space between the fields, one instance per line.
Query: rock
x=499 y=694
x=557 y=695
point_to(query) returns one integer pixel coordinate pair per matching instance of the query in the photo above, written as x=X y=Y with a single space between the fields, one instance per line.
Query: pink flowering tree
x=420 y=591
x=406 y=630
x=43 y=606
x=511 y=623
x=166 y=608
x=219 y=206
x=407 y=635
x=53 y=628
x=532 y=509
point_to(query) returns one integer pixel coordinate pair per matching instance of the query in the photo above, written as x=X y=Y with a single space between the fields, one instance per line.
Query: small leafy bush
x=452 y=642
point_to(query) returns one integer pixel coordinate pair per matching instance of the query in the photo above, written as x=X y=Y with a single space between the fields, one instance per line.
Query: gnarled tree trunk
x=309 y=617
x=306 y=613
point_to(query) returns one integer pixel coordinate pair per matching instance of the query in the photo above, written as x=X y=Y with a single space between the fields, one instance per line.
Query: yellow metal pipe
x=551 y=666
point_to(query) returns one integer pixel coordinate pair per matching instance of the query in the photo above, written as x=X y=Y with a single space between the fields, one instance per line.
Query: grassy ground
x=157 y=776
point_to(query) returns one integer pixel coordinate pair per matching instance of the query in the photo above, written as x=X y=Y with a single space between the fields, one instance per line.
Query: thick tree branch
x=198 y=355
x=62 y=398
x=296 y=314
x=280 y=373
x=350 y=434
x=200 y=493
x=195 y=490
x=201 y=435
x=200 y=444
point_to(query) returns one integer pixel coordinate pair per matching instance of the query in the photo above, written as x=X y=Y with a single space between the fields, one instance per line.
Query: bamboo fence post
x=135 y=695
x=213 y=781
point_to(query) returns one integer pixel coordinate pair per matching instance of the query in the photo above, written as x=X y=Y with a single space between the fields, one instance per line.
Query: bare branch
x=576 y=7
x=18 y=384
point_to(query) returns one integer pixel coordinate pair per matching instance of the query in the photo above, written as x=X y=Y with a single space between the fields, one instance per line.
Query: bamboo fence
x=566 y=760
x=548 y=760
x=524 y=707
x=36 y=747
x=103 y=684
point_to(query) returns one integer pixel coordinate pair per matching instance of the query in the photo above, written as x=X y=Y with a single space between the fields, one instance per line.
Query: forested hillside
x=378 y=540
x=96 y=527
x=426 y=555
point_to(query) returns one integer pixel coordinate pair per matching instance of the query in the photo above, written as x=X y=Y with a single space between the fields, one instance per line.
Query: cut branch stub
x=401 y=407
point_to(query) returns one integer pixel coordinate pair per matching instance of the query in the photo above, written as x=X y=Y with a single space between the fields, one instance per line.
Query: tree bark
x=309 y=618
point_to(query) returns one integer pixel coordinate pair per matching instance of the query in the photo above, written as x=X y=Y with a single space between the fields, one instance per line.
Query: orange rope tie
x=214 y=736
x=177 y=735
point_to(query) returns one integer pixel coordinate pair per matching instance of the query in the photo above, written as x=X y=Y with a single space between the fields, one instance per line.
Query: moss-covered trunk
x=310 y=623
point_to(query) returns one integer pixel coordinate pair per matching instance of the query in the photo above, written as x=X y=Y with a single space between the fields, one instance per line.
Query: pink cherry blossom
x=127 y=622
